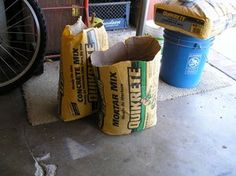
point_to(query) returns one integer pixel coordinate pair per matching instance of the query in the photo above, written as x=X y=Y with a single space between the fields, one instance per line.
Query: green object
x=96 y=21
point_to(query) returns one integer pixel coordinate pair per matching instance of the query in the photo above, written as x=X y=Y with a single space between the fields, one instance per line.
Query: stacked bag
x=198 y=18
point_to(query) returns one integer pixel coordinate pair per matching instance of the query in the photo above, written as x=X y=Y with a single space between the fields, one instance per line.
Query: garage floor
x=195 y=136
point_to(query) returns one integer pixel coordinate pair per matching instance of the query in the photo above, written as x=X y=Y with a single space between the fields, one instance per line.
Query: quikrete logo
x=174 y=15
x=91 y=82
x=135 y=97
x=115 y=99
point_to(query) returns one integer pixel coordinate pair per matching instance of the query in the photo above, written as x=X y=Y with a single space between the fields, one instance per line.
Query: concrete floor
x=195 y=136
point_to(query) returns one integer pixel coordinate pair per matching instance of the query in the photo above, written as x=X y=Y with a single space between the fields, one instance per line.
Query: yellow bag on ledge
x=202 y=18
x=78 y=93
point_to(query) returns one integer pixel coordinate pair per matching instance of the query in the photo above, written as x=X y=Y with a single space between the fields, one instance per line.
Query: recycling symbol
x=193 y=62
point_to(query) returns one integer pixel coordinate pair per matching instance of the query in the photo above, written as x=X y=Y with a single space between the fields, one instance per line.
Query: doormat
x=41 y=92
x=212 y=79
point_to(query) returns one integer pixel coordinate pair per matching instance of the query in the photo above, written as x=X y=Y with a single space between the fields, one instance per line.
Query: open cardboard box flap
x=134 y=49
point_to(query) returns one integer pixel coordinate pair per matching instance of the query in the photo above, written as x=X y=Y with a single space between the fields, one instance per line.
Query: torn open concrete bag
x=128 y=76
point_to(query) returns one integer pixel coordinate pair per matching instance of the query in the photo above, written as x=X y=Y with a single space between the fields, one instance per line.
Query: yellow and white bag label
x=78 y=93
x=201 y=18
x=128 y=76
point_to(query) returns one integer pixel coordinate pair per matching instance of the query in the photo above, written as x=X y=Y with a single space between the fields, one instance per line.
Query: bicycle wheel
x=22 y=41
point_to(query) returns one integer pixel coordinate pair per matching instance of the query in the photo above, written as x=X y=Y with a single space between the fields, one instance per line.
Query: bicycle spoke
x=24 y=33
x=18 y=22
x=4 y=73
x=8 y=65
x=11 y=55
x=20 y=49
x=11 y=5
x=24 y=26
x=16 y=52
x=19 y=41
x=15 y=16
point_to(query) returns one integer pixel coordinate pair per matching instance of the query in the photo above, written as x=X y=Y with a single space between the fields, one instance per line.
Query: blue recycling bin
x=183 y=59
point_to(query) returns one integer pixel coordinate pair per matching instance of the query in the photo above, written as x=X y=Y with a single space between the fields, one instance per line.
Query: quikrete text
x=135 y=97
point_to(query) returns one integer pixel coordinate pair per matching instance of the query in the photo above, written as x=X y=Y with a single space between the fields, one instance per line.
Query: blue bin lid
x=187 y=41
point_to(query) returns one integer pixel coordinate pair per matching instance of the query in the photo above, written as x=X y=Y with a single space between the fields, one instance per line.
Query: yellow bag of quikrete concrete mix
x=128 y=75
x=78 y=93
x=199 y=18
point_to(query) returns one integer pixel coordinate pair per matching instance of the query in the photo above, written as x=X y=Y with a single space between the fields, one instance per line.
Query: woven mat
x=212 y=79
x=40 y=95
x=41 y=92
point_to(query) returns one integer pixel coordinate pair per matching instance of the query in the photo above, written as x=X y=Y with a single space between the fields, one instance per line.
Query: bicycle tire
x=38 y=57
